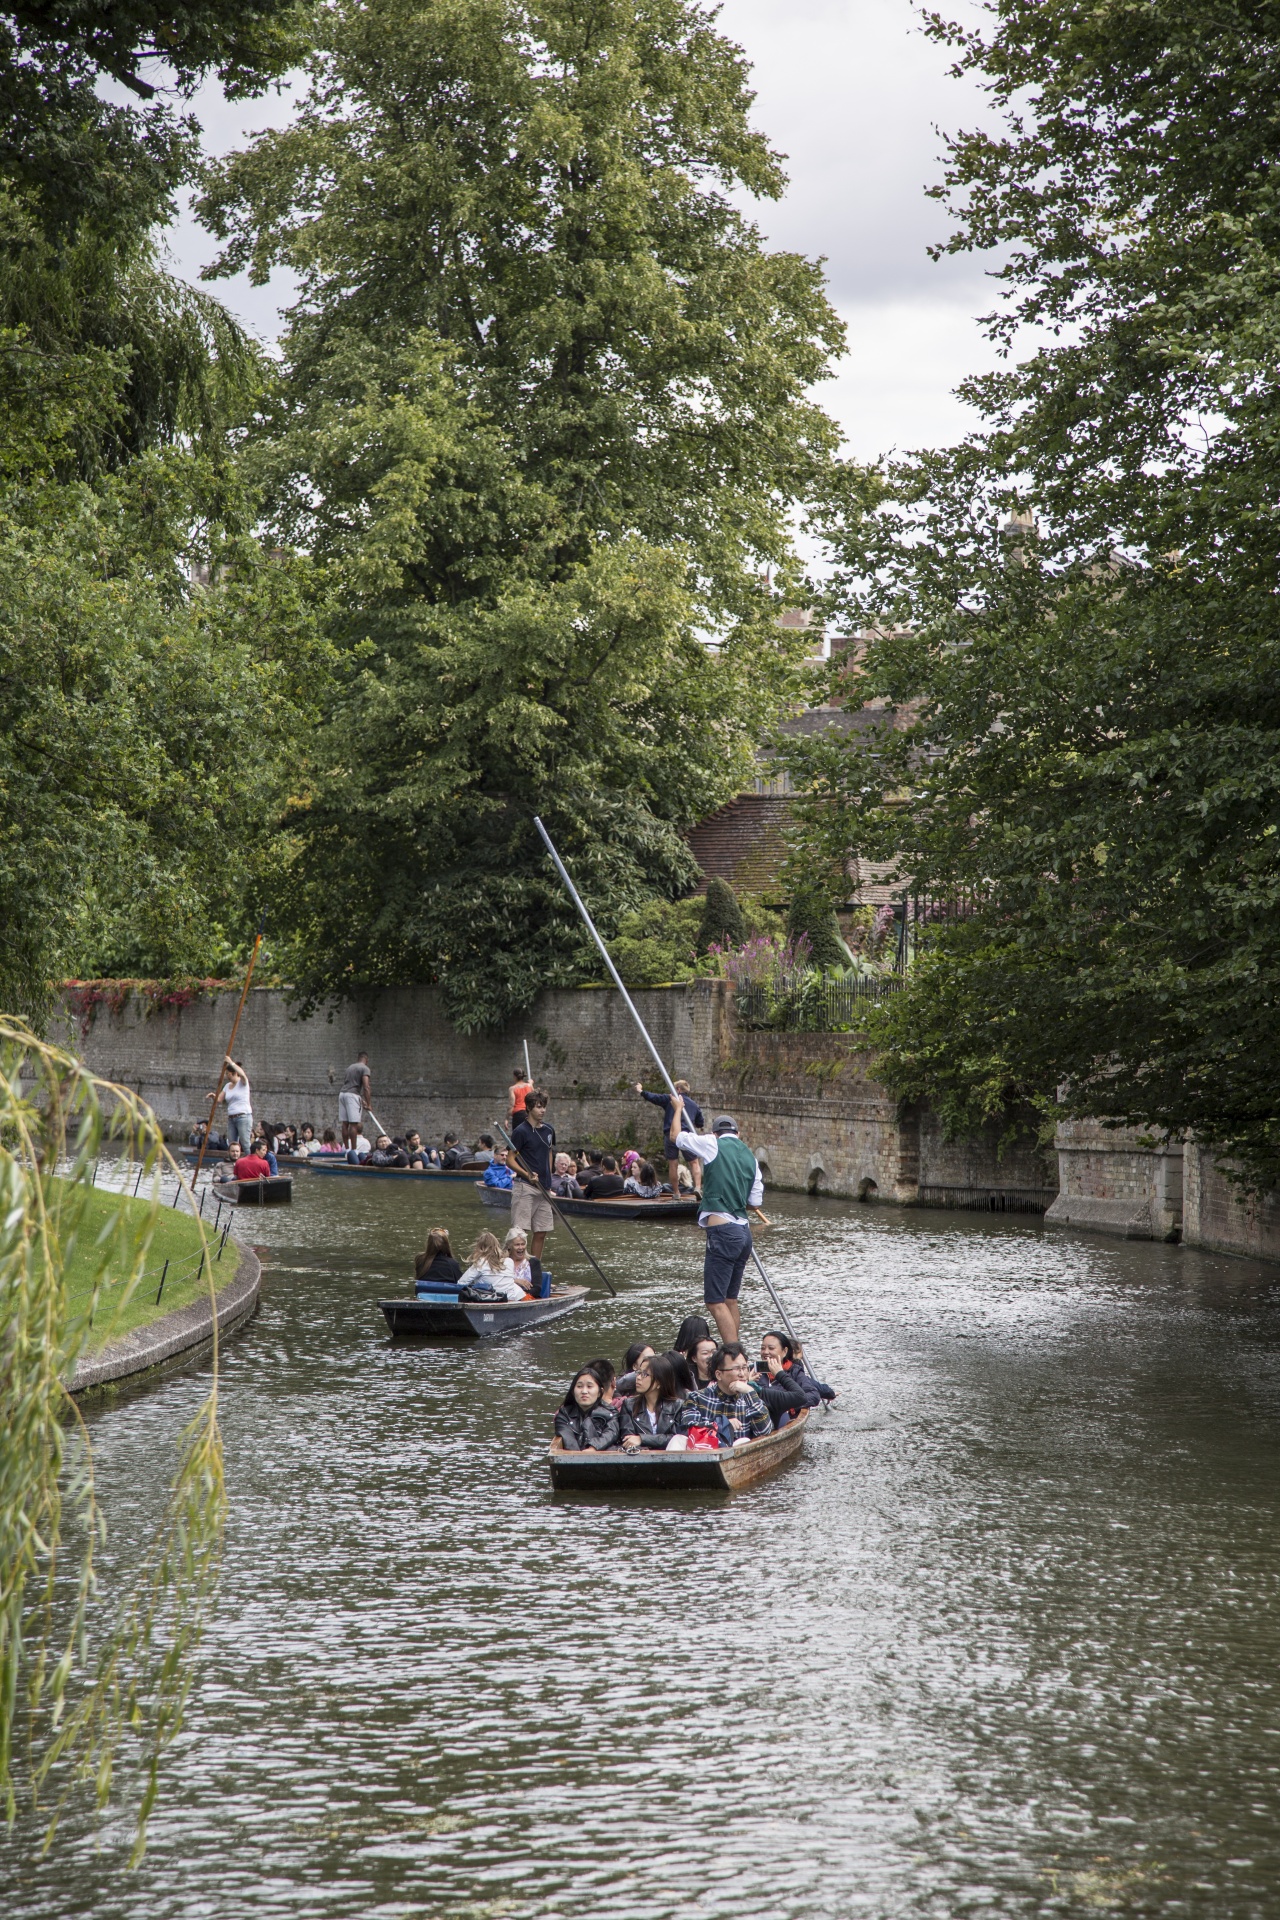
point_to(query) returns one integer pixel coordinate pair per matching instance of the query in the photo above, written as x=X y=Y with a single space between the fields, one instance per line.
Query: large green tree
x=154 y=658
x=544 y=408
x=1079 y=606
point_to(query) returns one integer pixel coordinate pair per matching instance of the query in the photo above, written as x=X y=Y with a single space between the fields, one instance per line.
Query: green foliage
x=811 y=913
x=1094 y=749
x=657 y=945
x=722 y=922
x=544 y=410
x=65 y=1715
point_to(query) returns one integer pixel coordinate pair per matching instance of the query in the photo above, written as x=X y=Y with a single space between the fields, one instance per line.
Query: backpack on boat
x=478 y=1290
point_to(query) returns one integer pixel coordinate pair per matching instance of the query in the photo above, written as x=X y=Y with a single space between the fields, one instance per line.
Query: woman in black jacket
x=652 y=1415
x=436 y=1261
x=780 y=1355
x=585 y=1421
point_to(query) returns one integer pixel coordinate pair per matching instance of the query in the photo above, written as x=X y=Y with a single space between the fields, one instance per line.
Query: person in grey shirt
x=354 y=1099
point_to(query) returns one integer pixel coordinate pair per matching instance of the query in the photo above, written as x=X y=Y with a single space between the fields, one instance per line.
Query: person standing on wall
x=731 y=1182
x=693 y=1118
x=535 y=1142
x=239 y=1099
x=519 y=1096
x=354 y=1099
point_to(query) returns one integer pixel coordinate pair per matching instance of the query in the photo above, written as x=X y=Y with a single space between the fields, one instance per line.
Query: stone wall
x=1218 y=1215
x=1117 y=1181
x=804 y=1100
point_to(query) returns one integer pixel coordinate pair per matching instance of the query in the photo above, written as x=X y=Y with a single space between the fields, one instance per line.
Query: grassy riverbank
x=176 y=1238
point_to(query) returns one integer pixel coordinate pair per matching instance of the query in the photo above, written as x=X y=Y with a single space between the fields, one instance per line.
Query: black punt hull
x=476 y=1320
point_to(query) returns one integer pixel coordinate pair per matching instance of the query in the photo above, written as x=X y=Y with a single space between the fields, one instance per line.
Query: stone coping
x=182 y=1331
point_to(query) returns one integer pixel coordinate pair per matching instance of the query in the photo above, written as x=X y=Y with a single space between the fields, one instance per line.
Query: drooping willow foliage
x=83 y=1685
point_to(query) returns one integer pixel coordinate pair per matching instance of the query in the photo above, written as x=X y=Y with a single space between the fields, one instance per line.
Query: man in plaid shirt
x=732 y=1398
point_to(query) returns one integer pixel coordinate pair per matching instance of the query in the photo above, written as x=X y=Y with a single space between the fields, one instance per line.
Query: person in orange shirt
x=521 y=1088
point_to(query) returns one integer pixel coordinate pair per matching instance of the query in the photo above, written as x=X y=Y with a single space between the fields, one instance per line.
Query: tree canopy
x=544 y=411
x=1077 y=608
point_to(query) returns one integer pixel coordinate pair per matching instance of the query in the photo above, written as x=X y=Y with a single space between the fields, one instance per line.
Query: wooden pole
x=235 y=1028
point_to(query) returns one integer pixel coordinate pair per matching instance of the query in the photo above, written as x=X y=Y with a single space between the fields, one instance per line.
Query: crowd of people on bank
x=700 y=1393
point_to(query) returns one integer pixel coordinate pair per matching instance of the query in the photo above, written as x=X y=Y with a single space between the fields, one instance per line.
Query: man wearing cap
x=731 y=1182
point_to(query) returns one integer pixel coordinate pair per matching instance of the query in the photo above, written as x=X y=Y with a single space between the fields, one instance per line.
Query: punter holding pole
x=748 y=1252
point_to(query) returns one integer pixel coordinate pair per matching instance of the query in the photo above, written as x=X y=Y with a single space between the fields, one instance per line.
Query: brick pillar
x=907 y=1174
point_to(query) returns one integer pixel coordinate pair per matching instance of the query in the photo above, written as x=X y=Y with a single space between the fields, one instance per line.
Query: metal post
x=138 y=1182
x=160 y=1288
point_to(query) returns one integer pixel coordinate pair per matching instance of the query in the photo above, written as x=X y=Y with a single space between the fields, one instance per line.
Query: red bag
x=704 y=1440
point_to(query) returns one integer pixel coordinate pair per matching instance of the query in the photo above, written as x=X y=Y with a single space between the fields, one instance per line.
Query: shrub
x=723 y=924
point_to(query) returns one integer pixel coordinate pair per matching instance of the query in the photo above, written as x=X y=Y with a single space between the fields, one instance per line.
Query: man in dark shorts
x=693 y=1120
x=535 y=1142
x=731 y=1182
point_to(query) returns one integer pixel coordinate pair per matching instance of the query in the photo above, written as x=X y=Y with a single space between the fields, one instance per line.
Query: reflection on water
x=1004 y=1641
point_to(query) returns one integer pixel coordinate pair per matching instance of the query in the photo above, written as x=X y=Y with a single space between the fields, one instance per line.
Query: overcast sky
x=855 y=96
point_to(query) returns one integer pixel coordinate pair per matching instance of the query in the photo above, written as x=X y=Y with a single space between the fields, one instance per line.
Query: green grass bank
x=175 y=1238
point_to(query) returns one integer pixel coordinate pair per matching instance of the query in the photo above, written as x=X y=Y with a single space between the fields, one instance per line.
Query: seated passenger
x=482 y=1152
x=386 y=1154
x=585 y=1422
x=691 y=1329
x=779 y=1353
x=451 y=1154
x=307 y=1142
x=517 y=1252
x=490 y=1268
x=563 y=1183
x=498 y=1173
x=263 y=1148
x=329 y=1142
x=197 y=1136
x=630 y=1361
x=437 y=1261
x=606 y=1373
x=730 y=1404
x=645 y=1185
x=419 y=1157
x=685 y=1380
x=607 y=1184
x=252 y=1165
x=651 y=1417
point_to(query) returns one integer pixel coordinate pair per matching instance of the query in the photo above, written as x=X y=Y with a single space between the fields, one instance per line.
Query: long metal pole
x=562 y=1218
x=644 y=1033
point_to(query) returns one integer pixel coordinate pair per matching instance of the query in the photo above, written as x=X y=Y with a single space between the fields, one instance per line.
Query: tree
x=1090 y=780
x=812 y=914
x=722 y=922
x=66 y=1713
x=544 y=405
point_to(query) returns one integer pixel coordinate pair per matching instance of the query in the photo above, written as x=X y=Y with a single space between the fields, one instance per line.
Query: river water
x=1004 y=1641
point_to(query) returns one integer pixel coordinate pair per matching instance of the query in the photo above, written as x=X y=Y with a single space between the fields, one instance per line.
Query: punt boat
x=478 y=1319
x=625 y=1206
x=645 y=1472
x=331 y=1164
x=275 y=1190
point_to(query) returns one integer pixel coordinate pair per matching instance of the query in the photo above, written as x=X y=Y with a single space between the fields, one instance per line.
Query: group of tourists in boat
x=701 y=1393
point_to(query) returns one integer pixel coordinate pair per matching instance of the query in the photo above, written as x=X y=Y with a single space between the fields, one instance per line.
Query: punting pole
x=534 y=1182
x=528 y=1071
x=235 y=1028
x=644 y=1034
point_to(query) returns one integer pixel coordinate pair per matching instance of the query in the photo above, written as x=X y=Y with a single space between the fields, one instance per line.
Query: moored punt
x=688 y=1472
x=478 y=1319
x=499 y=1197
x=626 y=1207
x=274 y=1190
x=333 y=1164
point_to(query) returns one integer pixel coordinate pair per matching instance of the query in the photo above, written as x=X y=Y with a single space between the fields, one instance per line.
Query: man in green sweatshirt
x=731 y=1182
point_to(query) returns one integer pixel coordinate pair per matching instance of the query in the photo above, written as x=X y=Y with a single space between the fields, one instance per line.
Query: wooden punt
x=642 y=1472
x=331 y=1164
x=275 y=1190
x=478 y=1319
x=626 y=1207
x=499 y=1197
